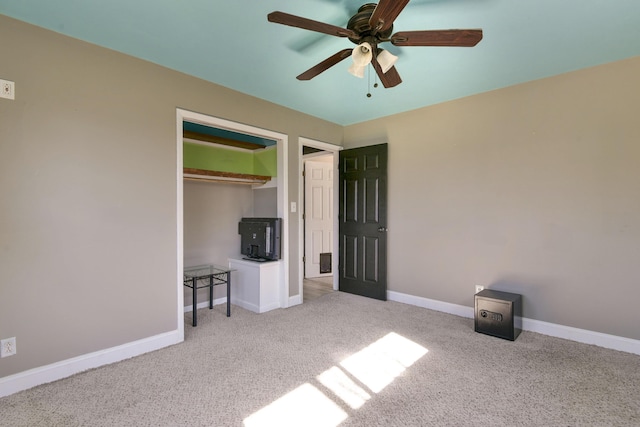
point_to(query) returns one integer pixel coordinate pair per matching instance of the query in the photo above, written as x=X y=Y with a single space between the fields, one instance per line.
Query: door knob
x=382 y=229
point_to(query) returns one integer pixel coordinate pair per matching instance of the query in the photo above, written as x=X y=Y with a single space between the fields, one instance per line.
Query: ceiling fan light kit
x=386 y=60
x=370 y=26
x=362 y=56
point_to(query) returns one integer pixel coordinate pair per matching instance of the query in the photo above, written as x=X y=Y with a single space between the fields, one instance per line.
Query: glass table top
x=205 y=270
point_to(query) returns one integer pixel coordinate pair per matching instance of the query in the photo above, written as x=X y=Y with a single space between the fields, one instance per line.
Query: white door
x=318 y=215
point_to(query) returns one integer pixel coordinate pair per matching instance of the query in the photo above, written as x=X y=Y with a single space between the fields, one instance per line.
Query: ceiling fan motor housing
x=359 y=23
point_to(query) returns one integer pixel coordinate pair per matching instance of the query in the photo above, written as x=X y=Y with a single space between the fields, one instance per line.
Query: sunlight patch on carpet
x=344 y=387
x=304 y=406
x=377 y=365
x=373 y=367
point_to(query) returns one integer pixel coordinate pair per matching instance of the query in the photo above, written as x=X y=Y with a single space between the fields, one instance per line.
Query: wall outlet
x=479 y=288
x=8 y=347
x=7 y=89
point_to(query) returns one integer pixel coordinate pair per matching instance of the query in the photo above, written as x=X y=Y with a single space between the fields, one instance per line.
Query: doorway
x=318 y=276
x=282 y=197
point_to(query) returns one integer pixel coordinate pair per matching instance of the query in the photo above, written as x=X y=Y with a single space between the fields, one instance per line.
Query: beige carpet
x=344 y=360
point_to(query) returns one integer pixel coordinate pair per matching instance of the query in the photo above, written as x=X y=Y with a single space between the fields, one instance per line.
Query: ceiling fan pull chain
x=368 y=82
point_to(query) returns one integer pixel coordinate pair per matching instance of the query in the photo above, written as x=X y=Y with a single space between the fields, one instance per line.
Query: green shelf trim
x=265 y=162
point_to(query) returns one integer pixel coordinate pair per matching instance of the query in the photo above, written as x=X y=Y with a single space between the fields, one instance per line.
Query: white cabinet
x=255 y=286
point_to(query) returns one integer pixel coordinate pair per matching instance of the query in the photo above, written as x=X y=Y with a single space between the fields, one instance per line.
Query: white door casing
x=282 y=186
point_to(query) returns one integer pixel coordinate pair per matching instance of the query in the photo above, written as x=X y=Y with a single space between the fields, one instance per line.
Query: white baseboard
x=254 y=307
x=431 y=304
x=559 y=331
x=240 y=303
x=246 y=305
x=582 y=335
x=65 y=368
x=294 y=300
x=269 y=307
x=205 y=304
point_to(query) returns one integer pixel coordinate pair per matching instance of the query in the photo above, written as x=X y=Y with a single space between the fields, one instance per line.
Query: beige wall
x=88 y=190
x=533 y=189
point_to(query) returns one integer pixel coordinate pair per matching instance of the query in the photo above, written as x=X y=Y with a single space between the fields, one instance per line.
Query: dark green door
x=363 y=221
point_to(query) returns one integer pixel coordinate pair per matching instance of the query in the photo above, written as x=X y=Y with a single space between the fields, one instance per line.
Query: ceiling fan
x=371 y=25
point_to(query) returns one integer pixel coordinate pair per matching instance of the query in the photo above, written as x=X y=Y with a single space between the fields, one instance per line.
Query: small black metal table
x=207 y=276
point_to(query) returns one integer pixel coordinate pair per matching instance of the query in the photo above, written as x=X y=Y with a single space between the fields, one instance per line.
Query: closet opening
x=226 y=171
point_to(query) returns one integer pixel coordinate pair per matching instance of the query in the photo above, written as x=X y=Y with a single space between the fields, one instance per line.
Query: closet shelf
x=225 y=177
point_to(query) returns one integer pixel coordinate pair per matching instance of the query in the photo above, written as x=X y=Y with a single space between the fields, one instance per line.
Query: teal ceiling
x=226 y=134
x=232 y=44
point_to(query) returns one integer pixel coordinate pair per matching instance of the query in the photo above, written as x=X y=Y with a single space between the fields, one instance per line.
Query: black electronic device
x=260 y=238
x=498 y=313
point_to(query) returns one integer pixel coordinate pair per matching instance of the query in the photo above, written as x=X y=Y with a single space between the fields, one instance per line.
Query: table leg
x=211 y=292
x=194 y=322
x=228 y=294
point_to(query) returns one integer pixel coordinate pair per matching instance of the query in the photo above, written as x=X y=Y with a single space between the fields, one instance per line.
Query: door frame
x=282 y=143
x=332 y=150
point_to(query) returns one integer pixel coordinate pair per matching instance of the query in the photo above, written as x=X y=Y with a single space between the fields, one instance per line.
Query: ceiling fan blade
x=464 y=38
x=325 y=65
x=385 y=13
x=389 y=79
x=309 y=24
